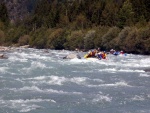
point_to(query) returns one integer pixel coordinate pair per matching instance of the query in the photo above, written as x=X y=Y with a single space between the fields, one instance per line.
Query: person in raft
x=102 y=55
x=91 y=54
x=96 y=54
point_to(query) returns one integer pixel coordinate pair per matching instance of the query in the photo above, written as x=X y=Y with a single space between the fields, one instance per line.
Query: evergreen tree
x=126 y=15
x=109 y=14
x=140 y=8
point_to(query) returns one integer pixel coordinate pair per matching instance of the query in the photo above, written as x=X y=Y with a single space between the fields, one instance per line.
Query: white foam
x=21 y=101
x=76 y=60
x=102 y=98
x=130 y=70
x=110 y=70
x=138 y=98
x=98 y=80
x=36 y=89
x=51 y=80
x=38 y=65
x=117 y=84
x=145 y=62
x=55 y=80
x=16 y=56
x=144 y=75
x=39 y=78
x=62 y=92
x=25 y=88
x=34 y=65
x=14 y=59
x=3 y=69
x=79 y=80
x=24 y=105
x=26 y=108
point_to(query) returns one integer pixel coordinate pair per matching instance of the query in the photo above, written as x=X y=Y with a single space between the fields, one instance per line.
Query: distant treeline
x=83 y=24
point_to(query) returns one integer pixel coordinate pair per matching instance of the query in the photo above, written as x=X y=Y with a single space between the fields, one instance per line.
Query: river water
x=36 y=81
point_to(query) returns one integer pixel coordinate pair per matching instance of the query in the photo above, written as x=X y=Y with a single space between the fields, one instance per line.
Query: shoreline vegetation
x=81 y=24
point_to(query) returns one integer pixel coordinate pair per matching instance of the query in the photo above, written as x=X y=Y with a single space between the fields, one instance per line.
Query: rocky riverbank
x=4 y=49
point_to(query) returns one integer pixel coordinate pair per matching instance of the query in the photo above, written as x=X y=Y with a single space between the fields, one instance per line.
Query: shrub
x=2 y=25
x=38 y=38
x=108 y=37
x=122 y=36
x=14 y=33
x=56 y=39
x=2 y=37
x=100 y=31
x=89 y=40
x=143 y=41
x=24 y=40
x=75 y=40
x=130 y=41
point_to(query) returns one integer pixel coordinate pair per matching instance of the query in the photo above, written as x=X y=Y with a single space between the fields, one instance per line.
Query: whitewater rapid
x=41 y=81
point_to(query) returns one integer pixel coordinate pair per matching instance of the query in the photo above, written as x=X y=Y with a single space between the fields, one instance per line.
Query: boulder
x=25 y=46
x=2 y=56
x=147 y=70
x=3 y=49
x=72 y=56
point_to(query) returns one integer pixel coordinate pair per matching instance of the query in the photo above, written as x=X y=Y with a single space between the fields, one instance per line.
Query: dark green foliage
x=56 y=39
x=108 y=38
x=24 y=40
x=3 y=13
x=126 y=15
x=122 y=37
x=14 y=33
x=100 y=31
x=89 y=40
x=141 y=8
x=2 y=37
x=38 y=38
x=75 y=40
x=143 y=41
x=109 y=13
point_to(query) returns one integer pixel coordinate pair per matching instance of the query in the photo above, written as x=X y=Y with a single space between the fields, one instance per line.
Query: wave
x=56 y=80
x=24 y=105
x=3 y=70
x=100 y=98
x=144 y=75
x=138 y=98
x=116 y=84
x=114 y=70
x=35 y=65
x=37 y=89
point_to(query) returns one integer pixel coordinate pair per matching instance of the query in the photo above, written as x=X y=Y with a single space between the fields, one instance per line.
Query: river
x=40 y=81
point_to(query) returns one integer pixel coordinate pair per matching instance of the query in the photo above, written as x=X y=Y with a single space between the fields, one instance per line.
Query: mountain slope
x=18 y=9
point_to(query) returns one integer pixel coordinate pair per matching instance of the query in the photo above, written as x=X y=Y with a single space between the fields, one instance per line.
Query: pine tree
x=109 y=14
x=126 y=15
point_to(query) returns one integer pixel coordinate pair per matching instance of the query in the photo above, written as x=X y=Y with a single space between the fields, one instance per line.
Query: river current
x=40 y=81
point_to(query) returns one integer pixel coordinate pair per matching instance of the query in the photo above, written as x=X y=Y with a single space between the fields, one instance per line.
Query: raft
x=92 y=59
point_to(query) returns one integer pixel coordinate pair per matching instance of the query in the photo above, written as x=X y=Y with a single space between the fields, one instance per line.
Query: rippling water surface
x=35 y=81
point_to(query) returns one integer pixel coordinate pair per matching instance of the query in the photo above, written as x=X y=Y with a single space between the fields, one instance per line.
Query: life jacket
x=104 y=56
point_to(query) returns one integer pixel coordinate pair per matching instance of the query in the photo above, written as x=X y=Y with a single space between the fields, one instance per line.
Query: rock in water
x=147 y=70
x=72 y=56
x=2 y=56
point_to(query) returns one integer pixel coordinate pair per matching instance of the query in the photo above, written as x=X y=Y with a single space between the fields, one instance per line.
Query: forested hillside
x=84 y=24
